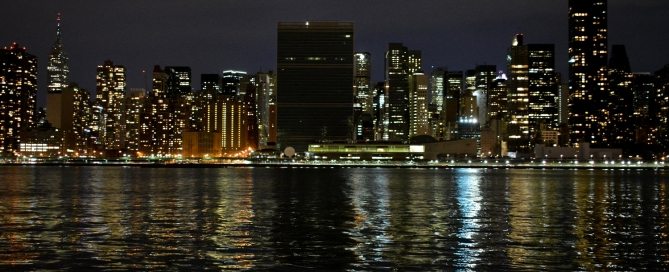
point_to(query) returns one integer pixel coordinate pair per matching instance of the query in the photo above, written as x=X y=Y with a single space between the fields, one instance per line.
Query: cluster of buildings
x=322 y=102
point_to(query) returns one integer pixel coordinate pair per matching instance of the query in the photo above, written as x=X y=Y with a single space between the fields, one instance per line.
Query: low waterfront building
x=393 y=151
x=582 y=152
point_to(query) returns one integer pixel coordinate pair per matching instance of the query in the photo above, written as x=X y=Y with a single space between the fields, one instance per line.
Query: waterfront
x=137 y=218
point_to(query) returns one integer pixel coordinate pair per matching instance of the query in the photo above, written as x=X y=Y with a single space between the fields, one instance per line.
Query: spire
x=58 y=30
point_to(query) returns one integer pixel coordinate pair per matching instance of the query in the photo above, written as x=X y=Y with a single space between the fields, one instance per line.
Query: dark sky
x=214 y=35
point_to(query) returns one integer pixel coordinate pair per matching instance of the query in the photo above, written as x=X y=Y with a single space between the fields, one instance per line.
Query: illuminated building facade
x=314 y=82
x=588 y=83
x=454 y=89
x=400 y=63
x=157 y=126
x=75 y=120
x=380 y=118
x=266 y=108
x=485 y=80
x=363 y=104
x=18 y=91
x=134 y=105
x=231 y=82
x=544 y=89
x=57 y=78
x=418 y=105
x=179 y=101
x=620 y=132
x=110 y=93
x=436 y=95
x=534 y=93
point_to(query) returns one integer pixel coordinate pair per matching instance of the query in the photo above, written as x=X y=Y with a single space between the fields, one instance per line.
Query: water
x=115 y=218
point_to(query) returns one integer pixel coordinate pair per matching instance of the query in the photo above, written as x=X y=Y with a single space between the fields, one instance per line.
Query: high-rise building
x=418 y=105
x=620 y=131
x=57 y=78
x=211 y=82
x=314 y=82
x=18 y=92
x=436 y=95
x=400 y=64
x=266 y=108
x=363 y=98
x=231 y=82
x=380 y=117
x=179 y=100
x=534 y=93
x=544 y=89
x=134 y=105
x=485 y=81
x=110 y=93
x=454 y=89
x=588 y=83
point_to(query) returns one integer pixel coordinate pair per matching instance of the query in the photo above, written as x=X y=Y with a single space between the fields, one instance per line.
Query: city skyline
x=213 y=42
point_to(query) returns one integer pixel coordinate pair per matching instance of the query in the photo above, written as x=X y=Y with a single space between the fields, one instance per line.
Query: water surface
x=131 y=218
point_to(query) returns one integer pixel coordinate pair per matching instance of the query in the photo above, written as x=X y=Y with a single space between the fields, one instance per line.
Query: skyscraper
x=588 y=84
x=418 y=106
x=620 y=132
x=57 y=68
x=363 y=98
x=18 y=91
x=314 y=82
x=57 y=79
x=110 y=93
x=266 y=108
x=400 y=64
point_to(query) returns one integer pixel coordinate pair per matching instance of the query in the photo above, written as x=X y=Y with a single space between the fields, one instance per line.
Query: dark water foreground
x=125 y=218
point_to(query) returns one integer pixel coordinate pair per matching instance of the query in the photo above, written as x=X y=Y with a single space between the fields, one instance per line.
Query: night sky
x=211 y=36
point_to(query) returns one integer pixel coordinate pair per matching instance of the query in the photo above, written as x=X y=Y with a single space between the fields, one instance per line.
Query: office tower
x=660 y=110
x=18 y=91
x=211 y=82
x=534 y=93
x=314 y=82
x=266 y=108
x=454 y=89
x=644 y=93
x=497 y=98
x=134 y=105
x=380 y=117
x=110 y=92
x=418 y=106
x=400 y=64
x=588 y=83
x=179 y=99
x=620 y=132
x=231 y=81
x=436 y=95
x=73 y=119
x=485 y=80
x=362 y=85
x=157 y=125
x=544 y=89
x=363 y=98
x=57 y=78
x=468 y=119
x=518 y=97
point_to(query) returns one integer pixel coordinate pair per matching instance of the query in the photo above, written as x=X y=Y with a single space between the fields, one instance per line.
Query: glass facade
x=314 y=82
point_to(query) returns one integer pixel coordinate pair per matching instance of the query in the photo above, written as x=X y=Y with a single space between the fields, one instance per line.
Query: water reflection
x=108 y=218
x=469 y=205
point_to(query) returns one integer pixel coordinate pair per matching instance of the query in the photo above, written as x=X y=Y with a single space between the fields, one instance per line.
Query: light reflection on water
x=108 y=218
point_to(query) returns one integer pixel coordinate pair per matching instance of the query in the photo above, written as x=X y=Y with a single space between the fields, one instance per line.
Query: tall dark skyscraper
x=314 y=82
x=620 y=132
x=18 y=92
x=401 y=63
x=588 y=83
